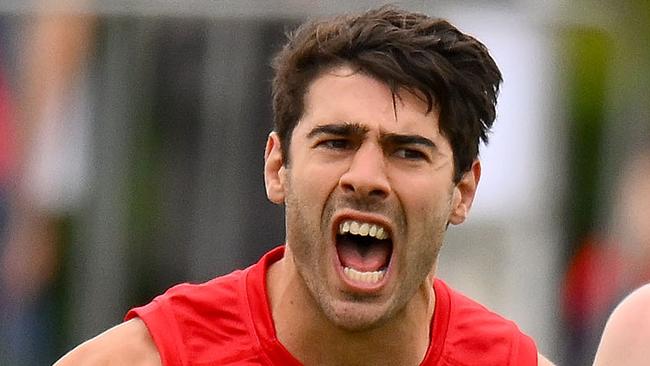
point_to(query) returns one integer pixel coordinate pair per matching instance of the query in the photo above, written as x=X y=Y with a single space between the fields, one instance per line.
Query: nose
x=366 y=176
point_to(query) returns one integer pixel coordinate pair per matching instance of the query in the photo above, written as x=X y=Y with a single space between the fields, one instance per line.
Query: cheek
x=311 y=185
x=318 y=177
x=425 y=196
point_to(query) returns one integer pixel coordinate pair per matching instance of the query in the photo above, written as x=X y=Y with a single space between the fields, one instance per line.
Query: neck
x=310 y=337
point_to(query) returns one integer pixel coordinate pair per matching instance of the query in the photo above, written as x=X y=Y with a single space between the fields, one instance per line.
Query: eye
x=334 y=144
x=410 y=154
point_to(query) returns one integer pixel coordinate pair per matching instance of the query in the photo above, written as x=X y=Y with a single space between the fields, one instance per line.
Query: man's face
x=368 y=195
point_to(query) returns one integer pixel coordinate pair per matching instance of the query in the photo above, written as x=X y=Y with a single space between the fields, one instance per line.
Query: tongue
x=364 y=258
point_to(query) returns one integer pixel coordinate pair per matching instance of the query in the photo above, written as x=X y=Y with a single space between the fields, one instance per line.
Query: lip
x=349 y=284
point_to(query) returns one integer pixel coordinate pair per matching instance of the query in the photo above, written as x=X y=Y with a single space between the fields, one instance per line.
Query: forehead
x=347 y=95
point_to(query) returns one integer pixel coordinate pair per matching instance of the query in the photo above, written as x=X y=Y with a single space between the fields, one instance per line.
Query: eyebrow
x=339 y=129
x=398 y=139
x=355 y=129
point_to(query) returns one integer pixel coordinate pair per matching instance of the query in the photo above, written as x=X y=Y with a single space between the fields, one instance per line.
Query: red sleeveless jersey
x=227 y=321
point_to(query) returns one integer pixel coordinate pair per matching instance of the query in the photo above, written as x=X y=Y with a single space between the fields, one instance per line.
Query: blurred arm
x=54 y=46
x=626 y=335
x=57 y=45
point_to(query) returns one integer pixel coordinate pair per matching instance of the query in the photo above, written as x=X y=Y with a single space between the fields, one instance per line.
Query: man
x=625 y=339
x=378 y=117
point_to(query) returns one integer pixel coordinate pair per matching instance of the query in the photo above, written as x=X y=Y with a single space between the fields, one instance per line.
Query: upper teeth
x=363 y=229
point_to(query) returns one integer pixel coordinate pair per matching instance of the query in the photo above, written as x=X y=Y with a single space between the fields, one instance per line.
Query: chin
x=353 y=316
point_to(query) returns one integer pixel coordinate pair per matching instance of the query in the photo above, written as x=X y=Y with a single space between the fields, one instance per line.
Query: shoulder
x=624 y=340
x=126 y=344
x=476 y=331
x=543 y=361
x=189 y=320
x=209 y=299
x=225 y=288
x=469 y=314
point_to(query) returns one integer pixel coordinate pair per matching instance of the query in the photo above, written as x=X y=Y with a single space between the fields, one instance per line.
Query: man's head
x=380 y=116
x=451 y=71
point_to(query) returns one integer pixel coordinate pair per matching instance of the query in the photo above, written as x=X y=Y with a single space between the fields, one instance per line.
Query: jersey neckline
x=260 y=321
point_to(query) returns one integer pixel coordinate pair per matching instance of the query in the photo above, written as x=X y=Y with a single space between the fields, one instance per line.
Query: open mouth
x=364 y=250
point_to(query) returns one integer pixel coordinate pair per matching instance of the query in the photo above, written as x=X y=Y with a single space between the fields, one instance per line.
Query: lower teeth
x=367 y=277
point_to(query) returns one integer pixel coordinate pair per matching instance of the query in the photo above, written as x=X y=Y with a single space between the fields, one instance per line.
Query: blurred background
x=131 y=153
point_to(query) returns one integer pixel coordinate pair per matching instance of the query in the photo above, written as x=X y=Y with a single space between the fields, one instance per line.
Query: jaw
x=345 y=302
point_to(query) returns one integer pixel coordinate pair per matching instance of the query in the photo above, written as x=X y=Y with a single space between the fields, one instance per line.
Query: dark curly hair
x=452 y=71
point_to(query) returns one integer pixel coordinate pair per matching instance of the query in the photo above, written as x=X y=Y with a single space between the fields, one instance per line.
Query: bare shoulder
x=126 y=344
x=543 y=361
x=624 y=340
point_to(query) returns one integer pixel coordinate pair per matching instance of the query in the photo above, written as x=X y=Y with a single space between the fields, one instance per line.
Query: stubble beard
x=352 y=312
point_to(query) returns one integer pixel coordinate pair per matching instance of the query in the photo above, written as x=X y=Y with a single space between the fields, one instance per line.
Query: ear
x=464 y=192
x=274 y=169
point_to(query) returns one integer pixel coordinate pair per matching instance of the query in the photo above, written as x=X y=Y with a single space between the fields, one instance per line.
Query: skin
x=625 y=338
x=353 y=156
x=126 y=344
